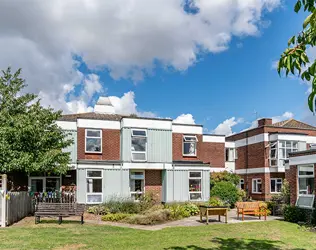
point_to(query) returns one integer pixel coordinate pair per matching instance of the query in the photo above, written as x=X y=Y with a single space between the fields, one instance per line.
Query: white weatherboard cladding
x=213 y=138
x=229 y=144
x=146 y=123
x=252 y=140
x=98 y=124
x=291 y=137
x=187 y=129
x=146 y=165
x=304 y=159
x=260 y=170
x=67 y=125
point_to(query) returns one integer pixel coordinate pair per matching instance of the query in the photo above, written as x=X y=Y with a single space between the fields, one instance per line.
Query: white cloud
x=225 y=128
x=184 y=119
x=124 y=36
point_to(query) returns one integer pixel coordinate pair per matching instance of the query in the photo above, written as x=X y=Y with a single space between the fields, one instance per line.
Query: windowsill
x=275 y=192
x=256 y=192
x=190 y=156
x=93 y=152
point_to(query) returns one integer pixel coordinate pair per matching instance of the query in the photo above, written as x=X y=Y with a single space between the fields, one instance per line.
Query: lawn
x=71 y=235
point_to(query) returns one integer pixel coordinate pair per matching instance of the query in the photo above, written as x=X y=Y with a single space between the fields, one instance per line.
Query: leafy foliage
x=177 y=211
x=224 y=176
x=115 y=217
x=294 y=59
x=191 y=208
x=226 y=191
x=150 y=218
x=294 y=214
x=216 y=202
x=98 y=210
x=30 y=140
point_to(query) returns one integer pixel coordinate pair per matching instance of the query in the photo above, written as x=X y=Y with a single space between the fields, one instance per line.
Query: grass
x=72 y=235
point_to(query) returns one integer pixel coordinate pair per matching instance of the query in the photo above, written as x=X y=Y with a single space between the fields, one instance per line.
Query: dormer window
x=139 y=145
x=189 y=145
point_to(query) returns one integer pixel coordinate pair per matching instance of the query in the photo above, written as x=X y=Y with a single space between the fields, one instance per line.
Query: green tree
x=224 y=176
x=30 y=140
x=294 y=59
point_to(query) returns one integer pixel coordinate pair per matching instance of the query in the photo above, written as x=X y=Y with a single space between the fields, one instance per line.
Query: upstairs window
x=189 y=145
x=273 y=153
x=230 y=154
x=256 y=186
x=93 y=141
x=275 y=185
x=139 y=145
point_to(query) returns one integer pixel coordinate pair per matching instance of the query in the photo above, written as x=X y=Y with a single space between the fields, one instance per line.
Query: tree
x=30 y=139
x=224 y=176
x=294 y=59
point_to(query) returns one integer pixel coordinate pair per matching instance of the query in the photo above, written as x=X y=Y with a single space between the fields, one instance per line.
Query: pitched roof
x=292 y=123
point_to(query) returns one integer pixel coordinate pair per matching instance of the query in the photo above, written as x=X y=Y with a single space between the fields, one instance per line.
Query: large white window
x=195 y=185
x=279 y=152
x=230 y=154
x=306 y=179
x=93 y=141
x=256 y=186
x=94 y=186
x=137 y=183
x=189 y=145
x=275 y=185
x=139 y=145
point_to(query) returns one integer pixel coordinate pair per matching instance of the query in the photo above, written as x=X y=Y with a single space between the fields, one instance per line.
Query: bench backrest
x=248 y=205
x=73 y=207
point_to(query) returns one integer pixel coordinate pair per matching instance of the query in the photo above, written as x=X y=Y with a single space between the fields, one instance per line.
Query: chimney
x=264 y=121
x=104 y=106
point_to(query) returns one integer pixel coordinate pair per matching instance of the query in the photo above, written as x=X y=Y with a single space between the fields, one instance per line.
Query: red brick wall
x=177 y=148
x=153 y=183
x=291 y=177
x=214 y=153
x=110 y=146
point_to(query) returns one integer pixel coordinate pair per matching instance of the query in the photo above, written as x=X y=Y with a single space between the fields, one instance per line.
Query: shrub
x=177 y=211
x=191 y=208
x=226 y=191
x=115 y=217
x=241 y=194
x=150 y=218
x=147 y=201
x=122 y=205
x=98 y=210
x=294 y=214
x=216 y=202
x=224 y=176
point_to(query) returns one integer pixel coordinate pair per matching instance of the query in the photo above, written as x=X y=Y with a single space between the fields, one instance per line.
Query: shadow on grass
x=52 y=221
x=225 y=244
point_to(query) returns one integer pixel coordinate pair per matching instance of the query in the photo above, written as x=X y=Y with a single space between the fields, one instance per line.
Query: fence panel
x=19 y=205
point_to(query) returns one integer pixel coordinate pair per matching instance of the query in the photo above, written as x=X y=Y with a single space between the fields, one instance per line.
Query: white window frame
x=275 y=158
x=88 y=177
x=252 y=188
x=285 y=148
x=85 y=140
x=130 y=175
x=139 y=152
x=277 y=181
x=241 y=181
x=234 y=154
x=304 y=176
x=184 y=141
x=195 y=178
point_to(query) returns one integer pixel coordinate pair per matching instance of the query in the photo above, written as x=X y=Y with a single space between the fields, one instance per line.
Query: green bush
x=177 y=211
x=98 y=210
x=224 y=176
x=226 y=191
x=191 y=208
x=294 y=214
x=150 y=218
x=147 y=201
x=122 y=205
x=115 y=217
x=216 y=202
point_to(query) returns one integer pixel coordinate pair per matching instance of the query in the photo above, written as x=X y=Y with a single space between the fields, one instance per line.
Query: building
x=126 y=156
x=258 y=155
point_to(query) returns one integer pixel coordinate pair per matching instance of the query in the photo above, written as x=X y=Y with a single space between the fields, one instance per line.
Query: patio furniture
x=59 y=210
x=211 y=210
x=256 y=208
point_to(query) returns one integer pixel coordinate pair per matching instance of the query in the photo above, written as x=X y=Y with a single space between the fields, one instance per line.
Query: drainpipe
x=247 y=186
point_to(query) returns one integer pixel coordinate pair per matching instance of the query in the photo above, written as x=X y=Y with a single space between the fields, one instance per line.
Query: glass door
x=37 y=185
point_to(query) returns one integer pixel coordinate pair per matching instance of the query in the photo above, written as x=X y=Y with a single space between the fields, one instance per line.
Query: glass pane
x=37 y=185
x=288 y=144
x=309 y=170
x=282 y=144
x=139 y=156
x=194 y=185
x=195 y=174
x=195 y=196
x=94 y=185
x=137 y=175
x=282 y=153
x=288 y=150
x=189 y=148
x=295 y=144
x=227 y=154
x=94 y=198
x=259 y=187
x=137 y=185
x=139 y=133
x=52 y=184
x=305 y=201
x=139 y=144
x=306 y=185
x=273 y=153
x=278 y=187
x=272 y=186
x=92 y=173
x=93 y=145
x=94 y=133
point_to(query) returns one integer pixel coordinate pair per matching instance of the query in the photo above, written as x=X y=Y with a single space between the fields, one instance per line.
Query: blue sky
x=154 y=59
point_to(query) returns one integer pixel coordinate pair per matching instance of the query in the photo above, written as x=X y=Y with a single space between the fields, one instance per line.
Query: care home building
x=259 y=155
x=126 y=156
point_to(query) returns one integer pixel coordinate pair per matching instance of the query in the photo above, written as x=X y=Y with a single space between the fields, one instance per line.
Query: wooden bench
x=209 y=210
x=256 y=208
x=59 y=210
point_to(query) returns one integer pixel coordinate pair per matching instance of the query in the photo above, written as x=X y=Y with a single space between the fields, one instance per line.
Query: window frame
x=85 y=141
x=97 y=193
x=305 y=176
x=146 y=146
x=195 y=178
x=184 y=141
x=252 y=186
x=276 y=182
x=130 y=179
x=234 y=154
x=242 y=182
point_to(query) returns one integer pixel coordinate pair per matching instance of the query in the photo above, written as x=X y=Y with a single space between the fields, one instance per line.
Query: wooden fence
x=19 y=205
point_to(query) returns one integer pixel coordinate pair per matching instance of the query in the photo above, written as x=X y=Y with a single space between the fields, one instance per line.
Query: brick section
x=177 y=148
x=153 y=183
x=291 y=177
x=214 y=153
x=264 y=121
x=110 y=145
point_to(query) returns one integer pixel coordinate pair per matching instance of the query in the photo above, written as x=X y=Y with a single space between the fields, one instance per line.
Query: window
x=189 y=145
x=139 y=145
x=286 y=147
x=275 y=185
x=242 y=183
x=256 y=186
x=306 y=180
x=230 y=154
x=195 y=185
x=137 y=184
x=93 y=141
x=273 y=154
x=94 y=186
x=306 y=201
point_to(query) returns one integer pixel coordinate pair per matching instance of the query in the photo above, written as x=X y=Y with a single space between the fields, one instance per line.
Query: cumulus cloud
x=126 y=37
x=184 y=119
x=225 y=128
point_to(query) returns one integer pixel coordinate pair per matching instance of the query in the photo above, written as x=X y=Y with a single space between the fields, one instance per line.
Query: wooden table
x=209 y=210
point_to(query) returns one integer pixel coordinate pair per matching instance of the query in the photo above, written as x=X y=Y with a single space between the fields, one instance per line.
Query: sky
x=195 y=61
